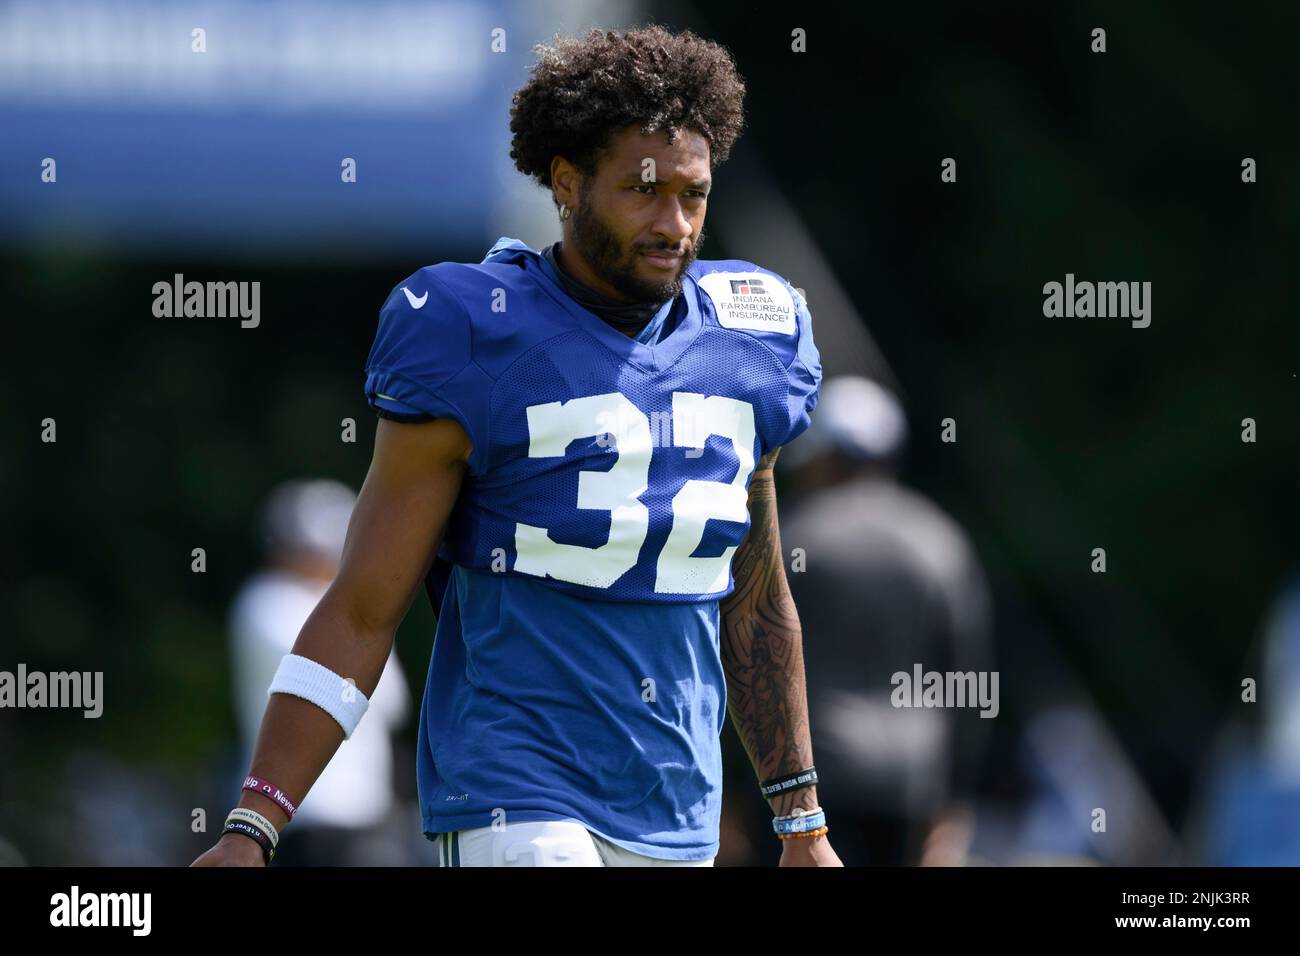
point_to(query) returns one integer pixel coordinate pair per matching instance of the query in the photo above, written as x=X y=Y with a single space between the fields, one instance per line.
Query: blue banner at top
x=249 y=123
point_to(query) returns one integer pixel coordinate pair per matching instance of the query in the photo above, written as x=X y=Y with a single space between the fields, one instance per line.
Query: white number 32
x=553 y=425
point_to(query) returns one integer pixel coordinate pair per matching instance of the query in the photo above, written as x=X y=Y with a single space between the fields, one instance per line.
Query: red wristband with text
x=268 y=789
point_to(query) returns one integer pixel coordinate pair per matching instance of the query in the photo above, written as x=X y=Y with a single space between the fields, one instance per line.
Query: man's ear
x=565 y=181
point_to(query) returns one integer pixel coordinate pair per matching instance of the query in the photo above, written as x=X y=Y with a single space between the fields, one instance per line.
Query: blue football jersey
x=576 y=671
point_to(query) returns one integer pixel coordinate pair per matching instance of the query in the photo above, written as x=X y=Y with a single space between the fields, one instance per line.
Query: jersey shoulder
x=426 y=360
x=748 y=298
x=759 y=303
x=424 y=329
x=448 y=331
x=444 y=316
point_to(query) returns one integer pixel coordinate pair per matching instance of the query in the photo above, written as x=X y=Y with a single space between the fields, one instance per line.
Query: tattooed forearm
x=762 y=651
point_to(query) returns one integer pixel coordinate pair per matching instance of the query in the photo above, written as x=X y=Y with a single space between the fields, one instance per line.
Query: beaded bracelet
x=820 y=831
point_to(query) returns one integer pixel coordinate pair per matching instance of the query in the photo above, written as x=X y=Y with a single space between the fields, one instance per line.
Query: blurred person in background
x=1249 y=814
x=342 y=824
x=1084 y=802
x=888 y=581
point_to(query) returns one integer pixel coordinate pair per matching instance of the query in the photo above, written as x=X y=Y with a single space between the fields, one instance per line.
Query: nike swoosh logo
x=415 y=303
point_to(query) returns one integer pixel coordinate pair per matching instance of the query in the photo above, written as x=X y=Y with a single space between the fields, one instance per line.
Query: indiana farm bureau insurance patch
x=747 y=300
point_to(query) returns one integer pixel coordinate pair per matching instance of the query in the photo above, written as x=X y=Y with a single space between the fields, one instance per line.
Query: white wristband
x=257 y=820
x=303 y=677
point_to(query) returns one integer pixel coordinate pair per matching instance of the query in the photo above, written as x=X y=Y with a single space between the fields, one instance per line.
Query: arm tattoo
x=762 y=651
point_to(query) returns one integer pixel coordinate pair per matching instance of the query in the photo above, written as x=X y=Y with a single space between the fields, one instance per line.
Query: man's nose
x=672 y=224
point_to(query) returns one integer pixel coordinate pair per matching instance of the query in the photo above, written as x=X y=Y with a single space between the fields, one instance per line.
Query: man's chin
x=661 y=292
x=653 y=286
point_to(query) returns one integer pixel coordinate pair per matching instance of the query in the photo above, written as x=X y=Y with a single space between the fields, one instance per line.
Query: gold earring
x=564 y=211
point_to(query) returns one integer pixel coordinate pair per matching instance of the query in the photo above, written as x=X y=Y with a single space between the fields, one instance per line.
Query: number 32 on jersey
x=553 y=425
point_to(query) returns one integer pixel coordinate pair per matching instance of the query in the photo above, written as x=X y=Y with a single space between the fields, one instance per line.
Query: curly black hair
x=583 y=91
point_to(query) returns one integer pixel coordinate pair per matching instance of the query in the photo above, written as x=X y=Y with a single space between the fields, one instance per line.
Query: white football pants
x=541 y=843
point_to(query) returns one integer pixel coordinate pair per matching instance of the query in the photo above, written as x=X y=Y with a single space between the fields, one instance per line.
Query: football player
x=574 y=456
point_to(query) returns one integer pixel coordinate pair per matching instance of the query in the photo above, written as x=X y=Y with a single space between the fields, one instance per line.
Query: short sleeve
x=388 y=407
x=804 y=374
x=421 y=364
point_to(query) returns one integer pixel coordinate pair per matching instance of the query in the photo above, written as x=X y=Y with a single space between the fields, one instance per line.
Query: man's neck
x=577 y=269
x=630 y=318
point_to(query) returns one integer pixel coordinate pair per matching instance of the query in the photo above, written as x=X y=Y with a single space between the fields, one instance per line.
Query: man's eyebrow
x=697 y=184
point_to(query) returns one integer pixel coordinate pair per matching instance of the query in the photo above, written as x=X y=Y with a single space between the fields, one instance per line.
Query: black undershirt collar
x=628 y=318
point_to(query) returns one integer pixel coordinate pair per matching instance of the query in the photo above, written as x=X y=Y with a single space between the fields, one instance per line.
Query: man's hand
x=232 y=850
x=808 y=851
